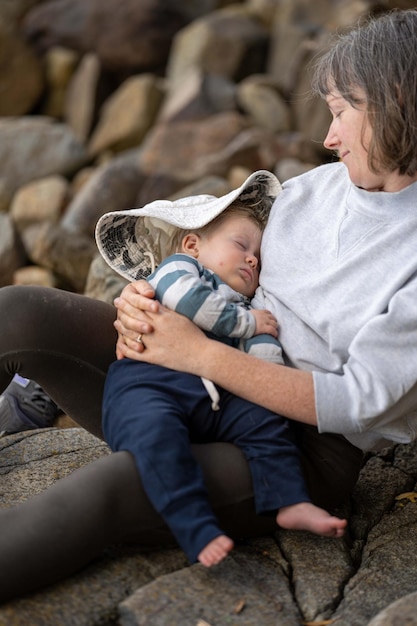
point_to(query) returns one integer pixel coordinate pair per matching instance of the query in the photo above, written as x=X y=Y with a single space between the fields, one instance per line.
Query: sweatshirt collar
x=384 y=205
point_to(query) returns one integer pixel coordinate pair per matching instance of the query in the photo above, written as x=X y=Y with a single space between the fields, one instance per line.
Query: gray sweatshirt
x=339 y=271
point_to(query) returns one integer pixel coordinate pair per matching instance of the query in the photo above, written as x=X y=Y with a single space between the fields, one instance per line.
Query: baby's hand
x=265 y=322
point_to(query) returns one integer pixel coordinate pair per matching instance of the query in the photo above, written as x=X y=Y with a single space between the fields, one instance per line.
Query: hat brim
x=124 y=238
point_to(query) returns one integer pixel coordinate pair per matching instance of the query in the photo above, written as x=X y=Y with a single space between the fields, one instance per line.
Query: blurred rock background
x=106 y=105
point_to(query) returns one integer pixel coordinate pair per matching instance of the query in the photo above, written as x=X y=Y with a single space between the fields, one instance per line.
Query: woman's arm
x=279 y=388
x=171 y=340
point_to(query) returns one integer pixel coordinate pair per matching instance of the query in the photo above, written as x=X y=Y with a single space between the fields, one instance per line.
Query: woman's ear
x=190 y=244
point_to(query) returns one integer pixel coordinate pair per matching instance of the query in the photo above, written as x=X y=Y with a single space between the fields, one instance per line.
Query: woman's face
x=349 y=136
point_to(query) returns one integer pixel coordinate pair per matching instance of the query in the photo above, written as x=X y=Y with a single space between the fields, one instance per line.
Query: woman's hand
x=133 y=305
x=147 y=331
x=176 y=342
x=166 y=338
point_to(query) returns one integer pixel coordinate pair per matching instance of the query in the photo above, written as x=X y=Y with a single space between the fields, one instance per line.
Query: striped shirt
x=182 y=284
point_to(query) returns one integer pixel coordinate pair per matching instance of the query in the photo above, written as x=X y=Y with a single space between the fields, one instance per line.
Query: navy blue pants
x=155 y=413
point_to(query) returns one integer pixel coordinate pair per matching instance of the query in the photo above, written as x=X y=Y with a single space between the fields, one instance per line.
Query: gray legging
x=65 y=342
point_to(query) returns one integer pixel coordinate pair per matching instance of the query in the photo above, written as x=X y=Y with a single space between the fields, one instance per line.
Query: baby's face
x=232 y=251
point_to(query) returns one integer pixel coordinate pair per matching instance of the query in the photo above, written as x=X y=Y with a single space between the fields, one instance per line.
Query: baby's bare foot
x=216 y=551
x=307 y=516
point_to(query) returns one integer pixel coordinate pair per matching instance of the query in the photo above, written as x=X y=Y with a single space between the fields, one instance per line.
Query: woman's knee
x=13 y=302
x=23 y=309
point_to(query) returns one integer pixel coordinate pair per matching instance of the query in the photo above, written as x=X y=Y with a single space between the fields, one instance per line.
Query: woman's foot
x=215 y=551
x=307 y=516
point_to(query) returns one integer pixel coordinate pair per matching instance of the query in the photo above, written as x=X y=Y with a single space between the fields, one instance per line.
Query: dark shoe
x=24 y=405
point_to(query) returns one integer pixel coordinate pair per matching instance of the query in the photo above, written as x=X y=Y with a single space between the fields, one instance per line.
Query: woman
x=339 y=271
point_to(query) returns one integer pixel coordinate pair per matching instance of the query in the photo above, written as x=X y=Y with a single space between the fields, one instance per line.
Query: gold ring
x=139 y=338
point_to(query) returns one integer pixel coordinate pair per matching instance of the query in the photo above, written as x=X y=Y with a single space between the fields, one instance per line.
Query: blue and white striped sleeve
x=182 y=284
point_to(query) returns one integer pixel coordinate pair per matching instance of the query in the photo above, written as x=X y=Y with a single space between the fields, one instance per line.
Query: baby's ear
x=190 y=244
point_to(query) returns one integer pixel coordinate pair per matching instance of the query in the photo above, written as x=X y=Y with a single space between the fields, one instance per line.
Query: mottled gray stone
x=112 y=186
x=387 y=571
x=284 y=580
x=403 y=612
x=320 y=567
x=32 y=460
x=250 y=588
x=35 y=147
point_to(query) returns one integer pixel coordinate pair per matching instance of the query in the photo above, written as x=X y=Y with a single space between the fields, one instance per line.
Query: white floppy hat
x=132 y=241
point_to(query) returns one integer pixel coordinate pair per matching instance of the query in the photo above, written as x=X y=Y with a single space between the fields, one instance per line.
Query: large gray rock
x=127 y=115
x=286 y=579
x=35 y=147
x=32 y=460
x=260 y=98
x=230 y=42
x=191 y=149
x=112 y=186
x=198 y=95
x=69 y=257
x=403 y=612
x=12 y=11
x=39 y=201
x=129 y=36
x=387 y=569
x=249 y=589
x=81 y=99
x=21 y=77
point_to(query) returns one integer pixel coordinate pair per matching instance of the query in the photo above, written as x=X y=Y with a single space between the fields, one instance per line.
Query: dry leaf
x=201 y=622
x=408 y=495
x=239 y=606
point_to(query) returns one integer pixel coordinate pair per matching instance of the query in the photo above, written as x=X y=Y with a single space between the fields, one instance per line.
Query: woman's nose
x=330 y=140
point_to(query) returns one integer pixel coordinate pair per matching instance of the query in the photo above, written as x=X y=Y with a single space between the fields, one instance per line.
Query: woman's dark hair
x=379 y=59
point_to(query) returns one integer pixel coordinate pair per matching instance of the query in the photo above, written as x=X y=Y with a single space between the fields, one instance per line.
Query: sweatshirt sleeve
x=183 y=285
x=376 y=393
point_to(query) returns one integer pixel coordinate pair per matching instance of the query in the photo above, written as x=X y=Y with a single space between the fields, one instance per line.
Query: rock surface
x=288 y=579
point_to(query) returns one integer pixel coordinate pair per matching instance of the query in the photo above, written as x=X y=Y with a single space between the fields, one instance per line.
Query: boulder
x=21 y=76
x=127 y=37
x=35 y=147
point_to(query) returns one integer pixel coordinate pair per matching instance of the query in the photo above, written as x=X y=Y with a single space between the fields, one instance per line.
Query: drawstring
x=212 y=392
